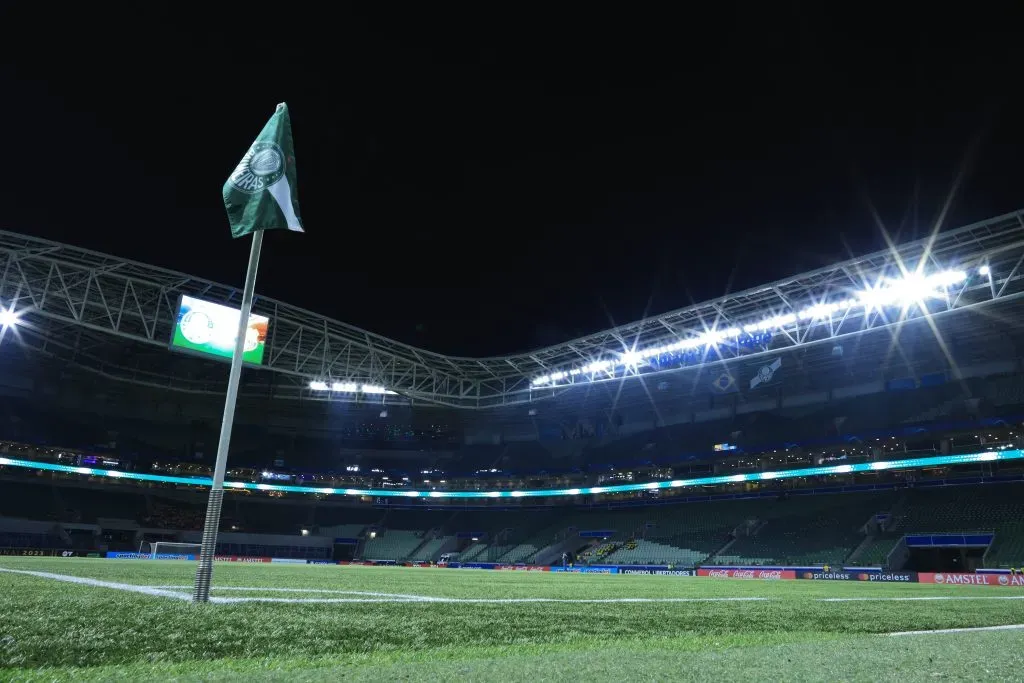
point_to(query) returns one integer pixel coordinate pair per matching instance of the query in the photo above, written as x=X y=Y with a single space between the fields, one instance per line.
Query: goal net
x=157 y=548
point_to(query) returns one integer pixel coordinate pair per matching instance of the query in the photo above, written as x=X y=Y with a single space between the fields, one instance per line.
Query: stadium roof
x=72 y=303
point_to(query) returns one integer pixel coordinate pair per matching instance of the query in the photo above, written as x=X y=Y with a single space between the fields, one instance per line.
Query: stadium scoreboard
x=206 y=328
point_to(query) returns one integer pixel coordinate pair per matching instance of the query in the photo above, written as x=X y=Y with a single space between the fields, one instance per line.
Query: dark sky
x=482 y=184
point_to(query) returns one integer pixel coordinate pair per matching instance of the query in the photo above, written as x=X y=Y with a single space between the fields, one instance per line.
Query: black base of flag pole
x=204 y=573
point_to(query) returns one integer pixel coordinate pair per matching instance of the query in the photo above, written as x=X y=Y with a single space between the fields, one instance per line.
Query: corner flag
x=259 y=195
x=261 y=192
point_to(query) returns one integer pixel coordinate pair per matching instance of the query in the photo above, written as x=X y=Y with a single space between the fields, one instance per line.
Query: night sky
x=484 y=184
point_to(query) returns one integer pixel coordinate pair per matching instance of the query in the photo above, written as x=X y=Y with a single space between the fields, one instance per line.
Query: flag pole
x=204 y=573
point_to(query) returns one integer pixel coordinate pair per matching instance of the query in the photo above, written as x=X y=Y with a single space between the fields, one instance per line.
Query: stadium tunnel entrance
x=945 y=560
x=949 y=553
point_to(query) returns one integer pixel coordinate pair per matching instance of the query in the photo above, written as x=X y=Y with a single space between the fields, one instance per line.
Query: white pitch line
x=326 y=591
x=1008 y=627
x=600 y=601
x=130 y=587
x=921 y=598
x=428 y=598
x=489 y=601
x=385 y=597
x=404 y=597
x=319 y=601
x=174 y=592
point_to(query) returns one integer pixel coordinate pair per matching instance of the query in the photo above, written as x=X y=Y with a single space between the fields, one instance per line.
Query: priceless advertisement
x=1005 y=580
x=829 y=576
x=755 y=574
x=890 y=577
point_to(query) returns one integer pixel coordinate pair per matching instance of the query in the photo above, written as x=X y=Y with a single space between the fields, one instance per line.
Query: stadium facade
x=898 y=366
x=79 y=304
x=942 y=306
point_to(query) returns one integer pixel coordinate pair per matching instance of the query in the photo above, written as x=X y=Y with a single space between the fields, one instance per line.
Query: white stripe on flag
x=281 y=191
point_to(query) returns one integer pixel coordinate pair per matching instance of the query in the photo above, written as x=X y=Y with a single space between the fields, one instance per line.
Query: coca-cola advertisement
x=522 y=568
x=755 y=574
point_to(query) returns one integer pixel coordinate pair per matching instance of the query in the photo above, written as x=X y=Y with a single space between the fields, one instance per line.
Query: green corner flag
x=261 y=192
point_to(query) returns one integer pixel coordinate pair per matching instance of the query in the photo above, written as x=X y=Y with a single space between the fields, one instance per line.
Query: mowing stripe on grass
x=939 y=631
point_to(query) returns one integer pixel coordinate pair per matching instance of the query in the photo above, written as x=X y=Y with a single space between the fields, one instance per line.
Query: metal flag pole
x=204 y=573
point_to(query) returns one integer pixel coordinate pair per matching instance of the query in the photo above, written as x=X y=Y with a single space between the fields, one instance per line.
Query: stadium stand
x=88 y=505
x=805 y=531
x=997 y=508
x=392 y=544
x=37 y=500
x=429 y=550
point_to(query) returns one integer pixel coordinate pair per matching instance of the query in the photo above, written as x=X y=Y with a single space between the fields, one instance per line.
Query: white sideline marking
x=130 y=587
x=329 y=591
x=175 y=592
x=170 y=592
x=1008 y=627
x=491 y=601
x=900 y=598
x=403 y=597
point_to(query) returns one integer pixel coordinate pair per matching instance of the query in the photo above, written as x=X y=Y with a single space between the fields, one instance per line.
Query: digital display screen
x=210 y=329
x=912 y=463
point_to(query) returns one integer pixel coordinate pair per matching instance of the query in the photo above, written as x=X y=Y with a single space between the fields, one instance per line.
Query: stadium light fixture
x=350 y=388
x=984 y=271
x=913 y=289
x=8 y=318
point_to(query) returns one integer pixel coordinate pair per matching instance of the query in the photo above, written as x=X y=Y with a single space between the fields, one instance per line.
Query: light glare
x=914 y=288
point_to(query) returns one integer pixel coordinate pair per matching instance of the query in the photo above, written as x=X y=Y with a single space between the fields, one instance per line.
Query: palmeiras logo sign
x=197 y=327
x=261 y=167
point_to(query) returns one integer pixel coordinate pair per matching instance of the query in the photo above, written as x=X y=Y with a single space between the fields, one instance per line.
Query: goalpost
x=155 y=548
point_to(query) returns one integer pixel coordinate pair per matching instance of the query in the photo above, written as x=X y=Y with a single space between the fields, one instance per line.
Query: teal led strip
x=987 y=456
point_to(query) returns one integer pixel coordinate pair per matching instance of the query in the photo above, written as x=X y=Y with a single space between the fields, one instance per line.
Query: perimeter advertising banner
x=48 y=552
x=884 y=577
x=522 y=568
x=208 y=328
x=177 y=556
x=148 y=556
x=756 y=574
x=1005 y=580
x=239 y=558
x=657 y=571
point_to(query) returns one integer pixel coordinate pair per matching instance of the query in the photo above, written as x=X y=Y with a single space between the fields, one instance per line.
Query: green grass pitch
x=387 y=623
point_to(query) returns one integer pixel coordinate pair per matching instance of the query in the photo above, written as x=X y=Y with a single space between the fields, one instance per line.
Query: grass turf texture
x=51 y=630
